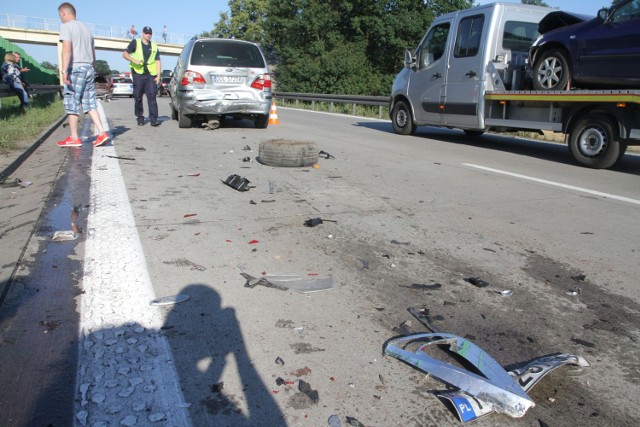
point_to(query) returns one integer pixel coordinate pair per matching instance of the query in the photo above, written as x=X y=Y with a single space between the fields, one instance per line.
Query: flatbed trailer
x=598 y=124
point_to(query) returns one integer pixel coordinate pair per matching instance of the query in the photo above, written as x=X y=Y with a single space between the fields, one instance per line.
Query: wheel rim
x=550 y=72
x=402 y=117
x=593 y=141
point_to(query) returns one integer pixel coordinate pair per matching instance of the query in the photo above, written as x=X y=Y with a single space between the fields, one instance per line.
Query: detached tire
x=285 y=153
x=594 y=142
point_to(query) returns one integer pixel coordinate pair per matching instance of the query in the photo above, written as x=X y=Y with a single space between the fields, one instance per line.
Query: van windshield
x=226 y=54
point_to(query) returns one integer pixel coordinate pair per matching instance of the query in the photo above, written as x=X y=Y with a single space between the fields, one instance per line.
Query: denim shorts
x=81 y=91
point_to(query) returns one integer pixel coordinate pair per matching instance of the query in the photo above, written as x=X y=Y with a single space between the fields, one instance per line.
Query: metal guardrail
x=5 y=90
x=354 y=100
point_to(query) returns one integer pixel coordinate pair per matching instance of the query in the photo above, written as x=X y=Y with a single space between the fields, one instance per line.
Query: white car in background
x=122 y=86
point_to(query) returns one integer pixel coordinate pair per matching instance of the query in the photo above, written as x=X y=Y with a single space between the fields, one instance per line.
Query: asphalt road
x=435 y=208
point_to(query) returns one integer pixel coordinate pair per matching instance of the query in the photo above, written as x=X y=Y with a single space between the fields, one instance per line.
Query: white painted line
x=557 y=184
x=126 y=372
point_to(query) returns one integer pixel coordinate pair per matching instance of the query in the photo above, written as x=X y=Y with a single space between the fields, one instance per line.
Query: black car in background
x=575 y=50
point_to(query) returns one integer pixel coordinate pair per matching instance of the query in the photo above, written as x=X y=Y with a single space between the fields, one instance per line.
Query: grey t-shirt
x=81 y=42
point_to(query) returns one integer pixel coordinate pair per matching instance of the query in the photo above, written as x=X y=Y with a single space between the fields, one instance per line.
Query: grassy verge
x=17 y=129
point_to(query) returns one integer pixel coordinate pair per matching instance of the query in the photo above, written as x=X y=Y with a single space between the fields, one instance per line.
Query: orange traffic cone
x=273 y=115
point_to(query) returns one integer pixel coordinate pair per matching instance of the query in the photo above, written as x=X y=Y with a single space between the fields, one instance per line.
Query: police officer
x=146 y=71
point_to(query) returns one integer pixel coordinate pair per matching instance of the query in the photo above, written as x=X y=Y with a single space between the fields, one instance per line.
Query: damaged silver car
x=215 y=78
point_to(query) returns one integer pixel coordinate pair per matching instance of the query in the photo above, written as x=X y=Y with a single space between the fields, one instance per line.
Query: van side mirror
x=409 y=60
x=603 y=14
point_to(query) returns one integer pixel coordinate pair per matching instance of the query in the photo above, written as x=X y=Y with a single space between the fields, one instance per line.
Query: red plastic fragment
x=253 y=242
x=312 y=274
x=228 y=241
x=332 y=379
x=276 y=391
x=188 y=215
x=194 y=174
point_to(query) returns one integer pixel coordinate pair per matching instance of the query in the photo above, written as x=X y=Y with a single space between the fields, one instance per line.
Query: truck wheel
x=551 y=70
x=594 y=143
x=184 y=121
x=402 y=120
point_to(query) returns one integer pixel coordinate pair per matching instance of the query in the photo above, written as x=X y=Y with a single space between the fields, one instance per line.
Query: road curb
x=15 y=164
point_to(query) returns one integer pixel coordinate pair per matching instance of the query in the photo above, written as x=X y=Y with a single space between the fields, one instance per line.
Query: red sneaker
x=70 y=142
x=101 y=139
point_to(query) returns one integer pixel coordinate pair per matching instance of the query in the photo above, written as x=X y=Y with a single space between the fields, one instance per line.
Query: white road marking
x=126 y=372
x=557 y=184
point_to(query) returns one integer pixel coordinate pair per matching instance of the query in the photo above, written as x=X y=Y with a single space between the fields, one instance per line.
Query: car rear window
x=227 y=54
x=519 y=35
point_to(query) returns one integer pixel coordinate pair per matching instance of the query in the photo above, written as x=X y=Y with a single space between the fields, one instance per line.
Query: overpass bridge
x=45 y=31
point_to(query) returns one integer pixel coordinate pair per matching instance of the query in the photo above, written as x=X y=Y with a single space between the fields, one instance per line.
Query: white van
x=444 y=80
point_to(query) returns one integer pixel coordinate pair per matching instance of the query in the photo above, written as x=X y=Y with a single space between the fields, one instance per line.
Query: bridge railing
x=107 y=31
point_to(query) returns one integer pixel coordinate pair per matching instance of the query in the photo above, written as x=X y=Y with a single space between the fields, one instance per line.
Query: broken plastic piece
x=423 y=287
x=316 y=221
x=300 y=284
x=422 y=314
x=238 y=182
x=189 y=215
x=354 y=422
x=506 y=292
x=194 y=174
x=247 y=148
x=497 y=389
x=280 y=381
x=173 y=299
x=325 y=155
x=279 y=361
x=469 y=408
x=477 y=282
x=305 y=388
x=334 y=421
x=252 y=282
x=64 y=236
x=120 y=157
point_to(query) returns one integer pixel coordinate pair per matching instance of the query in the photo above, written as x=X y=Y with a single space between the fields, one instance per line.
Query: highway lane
x=428 y=191
x=437 y=207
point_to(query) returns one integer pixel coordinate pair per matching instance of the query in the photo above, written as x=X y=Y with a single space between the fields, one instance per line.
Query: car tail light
x=191 y=77
x=262 y=82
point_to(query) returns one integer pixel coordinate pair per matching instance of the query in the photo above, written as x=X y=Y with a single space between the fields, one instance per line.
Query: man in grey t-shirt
x=78 y=75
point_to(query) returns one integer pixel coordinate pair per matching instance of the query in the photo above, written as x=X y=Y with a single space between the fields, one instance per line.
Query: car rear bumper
x=189 y=104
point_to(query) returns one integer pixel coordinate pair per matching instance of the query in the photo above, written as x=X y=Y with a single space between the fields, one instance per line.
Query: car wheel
x=593 y=142
x=402 y=120
x=261 y=121
x=286 y=153
x=184 y=121
x=551 y=70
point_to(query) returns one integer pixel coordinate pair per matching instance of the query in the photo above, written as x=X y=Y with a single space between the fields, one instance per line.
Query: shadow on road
x=204 y=338
x=558 y=153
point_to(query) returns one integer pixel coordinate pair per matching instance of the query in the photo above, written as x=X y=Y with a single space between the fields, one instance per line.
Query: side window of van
x=434 y=45
x=468 y=37
x=519 y=35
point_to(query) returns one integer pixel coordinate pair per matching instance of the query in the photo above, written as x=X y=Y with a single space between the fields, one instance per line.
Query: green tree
x=102 y=67
x=347 y=46
x=245 y=20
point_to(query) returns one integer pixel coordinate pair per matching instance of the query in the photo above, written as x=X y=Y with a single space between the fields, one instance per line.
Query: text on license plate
x=228 y=79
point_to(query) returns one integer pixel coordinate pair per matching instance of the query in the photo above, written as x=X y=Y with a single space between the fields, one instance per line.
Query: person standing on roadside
x=11 y=76
x=146 y=71
x=78 y=75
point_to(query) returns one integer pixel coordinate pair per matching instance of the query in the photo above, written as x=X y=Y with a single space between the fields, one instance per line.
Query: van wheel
x=402 y=120
x=184 y=121
x=551 y=70
x=261 y=121
x=593 y=142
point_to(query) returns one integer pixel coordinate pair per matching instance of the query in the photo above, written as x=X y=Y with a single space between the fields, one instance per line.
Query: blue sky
x=182 y=17
x=188 y=17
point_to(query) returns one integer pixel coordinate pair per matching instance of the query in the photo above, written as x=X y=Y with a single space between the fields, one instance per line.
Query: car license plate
x=228 y=79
